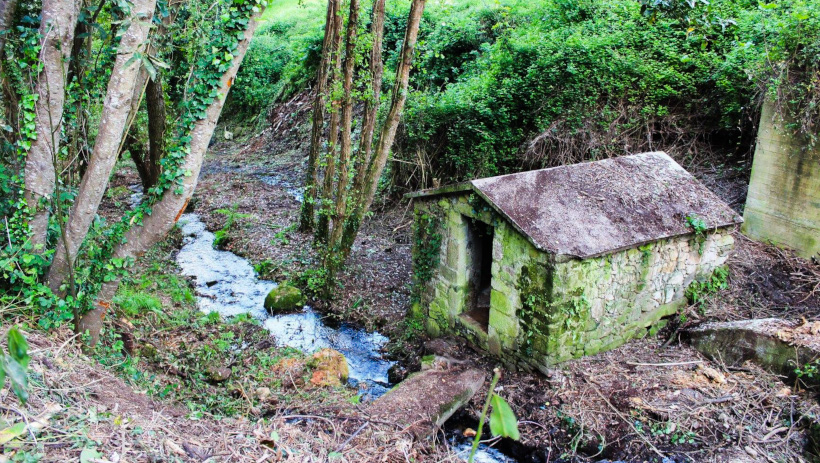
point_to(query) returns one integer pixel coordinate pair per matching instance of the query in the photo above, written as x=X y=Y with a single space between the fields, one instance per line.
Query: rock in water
x=329 y=368
x=284 y=299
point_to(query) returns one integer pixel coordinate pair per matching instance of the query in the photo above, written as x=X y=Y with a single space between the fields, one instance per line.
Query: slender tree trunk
x=116 y=108
x=369 y=122
x=157 y=121
x=326 y=195
x=58 y=19
x=347 y=124
x=7 y=9
x=372 y=104
x=388 y=132
x=306 y=217
x=167 y=211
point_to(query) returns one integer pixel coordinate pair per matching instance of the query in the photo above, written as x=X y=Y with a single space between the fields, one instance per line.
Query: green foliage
x=282 y=58
x=810 y=370
x=15 y=364
x=221 y=237
x=427 y=240
x=699 y=227
x=315 y=281
x=134 y=303
x=699 y=291
x=503 y=422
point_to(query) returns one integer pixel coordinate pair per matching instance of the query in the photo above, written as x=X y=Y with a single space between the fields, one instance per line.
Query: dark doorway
x=479 y=271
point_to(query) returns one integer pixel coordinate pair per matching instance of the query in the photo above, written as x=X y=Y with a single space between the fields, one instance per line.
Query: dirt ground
x=648 y=400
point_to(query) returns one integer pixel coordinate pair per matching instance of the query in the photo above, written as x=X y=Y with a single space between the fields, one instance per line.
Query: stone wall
x=783 y=204
x=544 y=309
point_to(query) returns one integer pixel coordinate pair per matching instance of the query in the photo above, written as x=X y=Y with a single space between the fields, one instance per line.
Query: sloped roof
x=596 y=208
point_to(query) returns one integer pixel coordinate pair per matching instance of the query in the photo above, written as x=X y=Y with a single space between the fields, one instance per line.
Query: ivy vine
x=427 y=240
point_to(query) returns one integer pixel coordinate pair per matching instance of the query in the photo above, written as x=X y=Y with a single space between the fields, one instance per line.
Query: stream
x=228 y=284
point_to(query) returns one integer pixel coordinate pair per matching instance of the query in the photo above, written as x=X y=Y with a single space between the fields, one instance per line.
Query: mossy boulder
x=329 y=368
x=284 y=299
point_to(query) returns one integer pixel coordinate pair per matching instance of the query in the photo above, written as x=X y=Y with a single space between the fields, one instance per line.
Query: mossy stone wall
x=545 y=310
x=783 y=204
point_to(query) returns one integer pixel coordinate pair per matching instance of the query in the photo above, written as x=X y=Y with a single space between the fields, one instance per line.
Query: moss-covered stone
x=284 y=299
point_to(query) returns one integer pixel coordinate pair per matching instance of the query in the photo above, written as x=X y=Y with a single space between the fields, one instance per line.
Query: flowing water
x=227 y=284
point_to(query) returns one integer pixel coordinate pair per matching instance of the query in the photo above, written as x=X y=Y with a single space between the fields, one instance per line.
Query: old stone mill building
x=543 y=266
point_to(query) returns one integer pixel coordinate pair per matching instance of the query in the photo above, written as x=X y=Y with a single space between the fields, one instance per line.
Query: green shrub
x=134 y=303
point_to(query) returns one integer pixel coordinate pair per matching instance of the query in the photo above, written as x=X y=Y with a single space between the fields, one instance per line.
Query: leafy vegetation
x=513 y=84
x=700 y=291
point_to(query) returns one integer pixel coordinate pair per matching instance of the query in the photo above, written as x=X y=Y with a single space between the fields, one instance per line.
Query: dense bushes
x=281 y=60
x=519 y=84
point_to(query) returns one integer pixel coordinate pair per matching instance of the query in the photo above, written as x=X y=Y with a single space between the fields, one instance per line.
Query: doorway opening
x=479 y=271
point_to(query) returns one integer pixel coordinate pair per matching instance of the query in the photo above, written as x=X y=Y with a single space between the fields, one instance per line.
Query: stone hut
x=547 y=265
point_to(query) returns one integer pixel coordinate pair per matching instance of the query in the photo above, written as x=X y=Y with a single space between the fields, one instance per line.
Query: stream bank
x=228 y=284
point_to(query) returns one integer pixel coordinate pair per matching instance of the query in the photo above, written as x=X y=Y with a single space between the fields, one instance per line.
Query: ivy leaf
x=502 y=419
x=152 y=71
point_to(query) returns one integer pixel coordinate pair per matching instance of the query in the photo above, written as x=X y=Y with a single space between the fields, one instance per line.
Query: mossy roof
x=596 y=208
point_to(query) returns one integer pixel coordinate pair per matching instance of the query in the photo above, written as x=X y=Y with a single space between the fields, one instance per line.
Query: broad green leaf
x=12 y=432
x=17 y=378
x=18 y=347
x=502 y=419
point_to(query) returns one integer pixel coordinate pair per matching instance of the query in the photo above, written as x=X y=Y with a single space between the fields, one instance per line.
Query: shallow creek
x=227 y=284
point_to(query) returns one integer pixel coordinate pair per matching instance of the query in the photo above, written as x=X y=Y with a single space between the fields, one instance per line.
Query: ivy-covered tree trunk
x=326 y=195
x=364 y=199
x=115 y=111
x=167 y=211
x=58 y=19
x=347 y=124
x=372 y=101
x=306 y=215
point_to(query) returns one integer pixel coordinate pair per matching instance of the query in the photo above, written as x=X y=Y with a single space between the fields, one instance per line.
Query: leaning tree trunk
x=388 y=132
x=306 y=219
x=347 y=124
x=57 y=21
x=116 y=108
x=167 y=211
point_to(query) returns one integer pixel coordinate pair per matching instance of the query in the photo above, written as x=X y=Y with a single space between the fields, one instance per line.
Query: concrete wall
x=546 y=310
x=783 y=205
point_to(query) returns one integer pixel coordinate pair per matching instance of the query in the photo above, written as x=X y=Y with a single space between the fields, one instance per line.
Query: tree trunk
x=9 y=103
x=306 y=216
x=326 y=195
x=7 y=8
x=157 y=119
x=347 y=124
x=388 y=132
x=166 y=212
x=372 y=104
x=116 y=108
x=57 y=22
